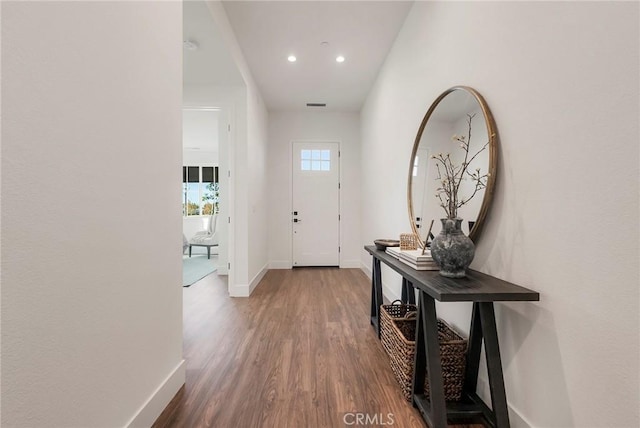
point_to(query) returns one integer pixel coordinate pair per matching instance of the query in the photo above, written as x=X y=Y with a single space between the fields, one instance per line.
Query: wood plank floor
x=300 y=352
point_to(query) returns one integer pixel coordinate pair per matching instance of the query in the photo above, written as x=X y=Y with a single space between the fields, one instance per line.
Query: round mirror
x=458 y=129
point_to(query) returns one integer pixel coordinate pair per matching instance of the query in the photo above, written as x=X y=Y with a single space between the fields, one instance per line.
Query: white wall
x=91 y=293
x=199 y=158
x=256 y=188
x=285 y=127
x=248 y=173
x=562 y=81
x=200 y=129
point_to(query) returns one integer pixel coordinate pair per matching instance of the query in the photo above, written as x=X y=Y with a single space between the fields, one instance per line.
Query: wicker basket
x=397 y=334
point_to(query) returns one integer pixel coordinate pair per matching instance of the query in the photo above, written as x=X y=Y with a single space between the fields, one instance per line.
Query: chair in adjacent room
x=206 y=238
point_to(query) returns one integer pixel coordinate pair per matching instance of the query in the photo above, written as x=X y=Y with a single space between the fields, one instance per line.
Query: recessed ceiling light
x=191 y=45
x=340 y=58
x=292 y=58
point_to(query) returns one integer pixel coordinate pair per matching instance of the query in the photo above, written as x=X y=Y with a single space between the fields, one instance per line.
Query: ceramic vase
x=452 y=250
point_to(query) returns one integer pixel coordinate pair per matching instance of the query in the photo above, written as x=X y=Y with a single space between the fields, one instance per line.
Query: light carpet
x=195 y=268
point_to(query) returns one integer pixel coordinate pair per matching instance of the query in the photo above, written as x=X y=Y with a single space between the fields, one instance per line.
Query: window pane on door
x=315 y=160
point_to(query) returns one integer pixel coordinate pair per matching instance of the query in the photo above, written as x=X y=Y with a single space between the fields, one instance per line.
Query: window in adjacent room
x=199 y=190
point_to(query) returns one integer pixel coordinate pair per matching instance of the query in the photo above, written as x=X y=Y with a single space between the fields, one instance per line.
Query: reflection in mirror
x=459 y=112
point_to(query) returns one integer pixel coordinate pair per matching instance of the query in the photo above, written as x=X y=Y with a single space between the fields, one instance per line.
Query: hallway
x=298 y=353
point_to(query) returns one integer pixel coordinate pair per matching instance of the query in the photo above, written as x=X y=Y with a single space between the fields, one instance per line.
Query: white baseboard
x=516 y=418
x=222 y=270
x=366 y=269
x=349 y=264
x=245 y=290
x=388 y=295
x=256 y=279
x=280 y=264
x=149 y=412
x=240 y=290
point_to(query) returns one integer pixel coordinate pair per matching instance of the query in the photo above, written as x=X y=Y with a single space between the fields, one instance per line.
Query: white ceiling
x=211 y=63
x=269 y=31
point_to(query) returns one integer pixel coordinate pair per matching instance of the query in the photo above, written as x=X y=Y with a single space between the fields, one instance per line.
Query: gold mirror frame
x=493 y=160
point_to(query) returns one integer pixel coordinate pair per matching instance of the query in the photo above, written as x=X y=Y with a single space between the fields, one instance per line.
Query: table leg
x=408 y=295
x=411 y=293
x=473 y=352
x=494 y=364
x=376 y=294
x=434 y=367
x=433 y=410
x=419 y=363
x=373 y=291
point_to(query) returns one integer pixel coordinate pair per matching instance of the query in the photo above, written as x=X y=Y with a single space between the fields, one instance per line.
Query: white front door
x=316 y=208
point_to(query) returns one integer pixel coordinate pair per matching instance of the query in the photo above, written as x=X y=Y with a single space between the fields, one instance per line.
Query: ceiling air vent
x=316 y=104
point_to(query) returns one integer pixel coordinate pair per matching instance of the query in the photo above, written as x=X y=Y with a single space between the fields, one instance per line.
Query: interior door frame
x=226 y=161
x=290 y=214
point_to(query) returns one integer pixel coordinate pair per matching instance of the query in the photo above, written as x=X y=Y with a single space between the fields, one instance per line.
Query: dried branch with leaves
x=451 y=176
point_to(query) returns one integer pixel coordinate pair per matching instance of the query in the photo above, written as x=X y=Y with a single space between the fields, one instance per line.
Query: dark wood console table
x=482 y=290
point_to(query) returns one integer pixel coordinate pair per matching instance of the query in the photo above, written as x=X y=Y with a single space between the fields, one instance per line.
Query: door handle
x=295 y=220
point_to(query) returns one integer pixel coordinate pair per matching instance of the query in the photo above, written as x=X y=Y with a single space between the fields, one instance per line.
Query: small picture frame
x=408 y=241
